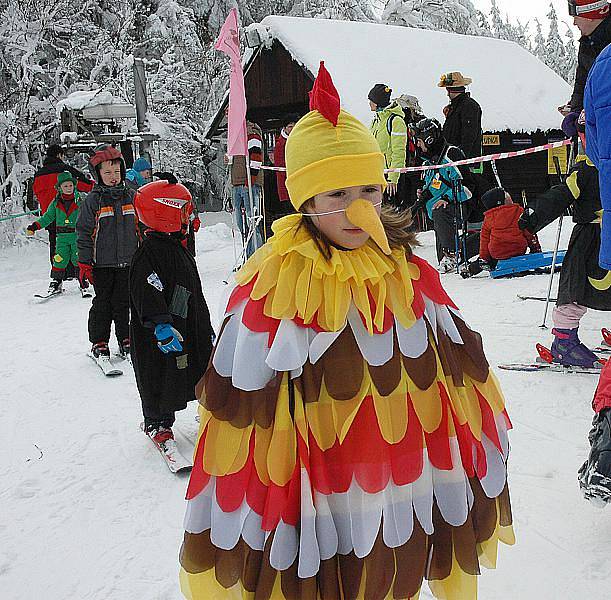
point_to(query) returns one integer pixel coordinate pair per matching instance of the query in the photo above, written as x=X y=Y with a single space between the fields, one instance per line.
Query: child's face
x=336 y=226
x=67 y=188
x=110 y=173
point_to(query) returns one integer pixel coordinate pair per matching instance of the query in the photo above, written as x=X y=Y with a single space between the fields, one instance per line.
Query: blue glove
x=168 y=338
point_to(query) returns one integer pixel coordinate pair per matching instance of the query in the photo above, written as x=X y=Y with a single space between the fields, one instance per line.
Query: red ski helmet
x=164 y=207
x=103 y=153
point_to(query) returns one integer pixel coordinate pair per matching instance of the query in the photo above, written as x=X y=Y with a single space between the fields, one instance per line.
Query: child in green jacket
x=64 y=212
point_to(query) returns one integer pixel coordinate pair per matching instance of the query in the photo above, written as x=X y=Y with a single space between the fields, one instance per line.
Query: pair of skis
x=545 y=360
x=85 y=293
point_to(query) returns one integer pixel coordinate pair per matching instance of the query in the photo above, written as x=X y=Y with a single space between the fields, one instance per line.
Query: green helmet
x=63 y=177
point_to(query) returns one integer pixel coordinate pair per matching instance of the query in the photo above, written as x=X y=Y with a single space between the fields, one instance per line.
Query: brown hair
x=397 y=225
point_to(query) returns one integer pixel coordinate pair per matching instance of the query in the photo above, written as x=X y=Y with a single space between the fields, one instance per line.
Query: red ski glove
x=196 y=224
x=85 y=274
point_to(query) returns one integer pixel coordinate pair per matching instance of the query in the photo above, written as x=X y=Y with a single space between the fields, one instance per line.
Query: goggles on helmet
x=576 y=10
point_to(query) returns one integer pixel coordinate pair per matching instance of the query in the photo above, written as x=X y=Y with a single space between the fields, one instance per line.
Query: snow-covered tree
x=459 y=16
x=570 y=52
x=538 y=45
x=555 y=50
x=349 y=10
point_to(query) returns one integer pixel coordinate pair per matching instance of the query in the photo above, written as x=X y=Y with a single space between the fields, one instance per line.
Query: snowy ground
x=90 y=512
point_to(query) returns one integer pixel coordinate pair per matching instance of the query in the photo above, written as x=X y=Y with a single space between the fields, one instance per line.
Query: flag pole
x=254 y=217
x=228 y=42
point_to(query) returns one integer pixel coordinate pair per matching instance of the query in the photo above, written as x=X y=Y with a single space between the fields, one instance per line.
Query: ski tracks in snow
x=95 y=510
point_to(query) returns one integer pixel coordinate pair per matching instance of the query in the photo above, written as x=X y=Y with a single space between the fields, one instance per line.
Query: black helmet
x=429 y=131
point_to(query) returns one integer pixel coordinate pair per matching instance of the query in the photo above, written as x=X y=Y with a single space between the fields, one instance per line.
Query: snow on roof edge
x=521 y=95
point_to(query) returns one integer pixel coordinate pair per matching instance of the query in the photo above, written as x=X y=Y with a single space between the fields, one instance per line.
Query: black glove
x=169 y=177
x=528 y=220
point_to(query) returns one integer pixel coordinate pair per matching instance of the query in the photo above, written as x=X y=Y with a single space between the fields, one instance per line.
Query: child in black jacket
x=171 y=333
x=107 y=239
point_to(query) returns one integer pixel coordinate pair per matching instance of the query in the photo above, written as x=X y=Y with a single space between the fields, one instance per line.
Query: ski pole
x=524 y=199
x=459 y=230
x=235 y=256
x=24 y=214
x=496 y=173
x=555 y=255
x=456 y=238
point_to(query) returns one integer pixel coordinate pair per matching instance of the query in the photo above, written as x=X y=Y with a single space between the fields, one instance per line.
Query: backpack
x=410 y=145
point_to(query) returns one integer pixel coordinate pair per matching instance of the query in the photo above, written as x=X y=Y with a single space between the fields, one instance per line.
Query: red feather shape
x=324 y=97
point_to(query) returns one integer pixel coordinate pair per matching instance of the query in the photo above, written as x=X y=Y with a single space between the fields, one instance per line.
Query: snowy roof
x=81 y=99
x=515 y=89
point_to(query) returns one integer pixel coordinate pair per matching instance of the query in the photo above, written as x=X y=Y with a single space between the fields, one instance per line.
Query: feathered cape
x=353 y=440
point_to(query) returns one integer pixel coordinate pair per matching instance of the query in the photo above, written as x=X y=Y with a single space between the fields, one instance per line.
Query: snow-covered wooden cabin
x=518 y=93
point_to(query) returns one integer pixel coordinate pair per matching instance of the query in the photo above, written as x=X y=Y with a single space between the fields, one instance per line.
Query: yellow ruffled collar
x=297 y=281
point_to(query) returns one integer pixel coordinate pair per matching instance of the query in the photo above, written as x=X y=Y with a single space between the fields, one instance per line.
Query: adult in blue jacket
x=597 y=102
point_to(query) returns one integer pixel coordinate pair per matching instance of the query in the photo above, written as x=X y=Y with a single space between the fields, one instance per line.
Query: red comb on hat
x=324 y=97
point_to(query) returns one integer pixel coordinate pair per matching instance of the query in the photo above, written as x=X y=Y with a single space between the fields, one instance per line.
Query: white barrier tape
x=466 y=161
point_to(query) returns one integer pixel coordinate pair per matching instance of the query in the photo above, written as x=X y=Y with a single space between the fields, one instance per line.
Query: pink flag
x=229 y=43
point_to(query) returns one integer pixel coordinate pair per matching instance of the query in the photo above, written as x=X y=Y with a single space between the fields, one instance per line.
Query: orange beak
x=362 y=214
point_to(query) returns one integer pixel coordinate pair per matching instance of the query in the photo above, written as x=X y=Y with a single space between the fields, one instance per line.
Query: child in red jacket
x=501 y=237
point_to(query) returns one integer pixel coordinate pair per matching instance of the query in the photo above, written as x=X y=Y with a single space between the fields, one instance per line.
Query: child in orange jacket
x=501 y=237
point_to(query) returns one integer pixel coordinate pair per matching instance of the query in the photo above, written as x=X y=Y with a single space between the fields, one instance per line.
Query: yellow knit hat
x=323 y=156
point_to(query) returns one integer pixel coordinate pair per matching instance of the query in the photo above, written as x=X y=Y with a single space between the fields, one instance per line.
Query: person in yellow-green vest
x=390 y=131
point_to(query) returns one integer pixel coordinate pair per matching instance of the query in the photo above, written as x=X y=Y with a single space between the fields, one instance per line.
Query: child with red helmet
x=107 y=239
x=170 y=329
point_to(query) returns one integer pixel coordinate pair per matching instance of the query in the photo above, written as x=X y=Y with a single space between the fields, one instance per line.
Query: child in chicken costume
x=353 y=439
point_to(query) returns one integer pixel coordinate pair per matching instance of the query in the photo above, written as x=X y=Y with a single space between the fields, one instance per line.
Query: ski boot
x=595 y=474
x=474 y=267
x=448 y=263
x=162 y=436
x=124 y=349
x=159 y=434
x=100 y=350
x=568 y=350
x=55 y=287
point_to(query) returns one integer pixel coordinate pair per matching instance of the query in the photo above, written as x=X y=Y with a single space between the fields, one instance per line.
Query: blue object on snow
x=528 y=262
